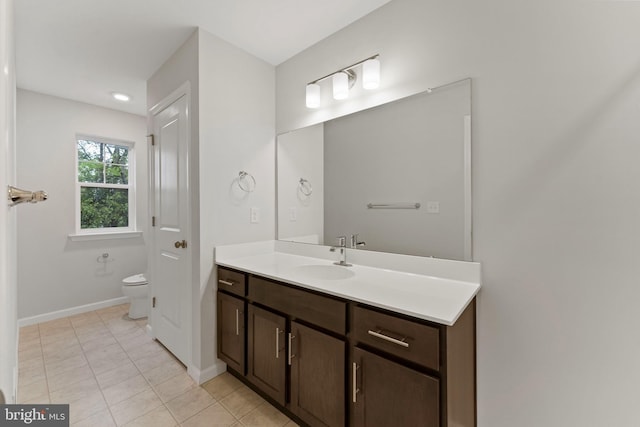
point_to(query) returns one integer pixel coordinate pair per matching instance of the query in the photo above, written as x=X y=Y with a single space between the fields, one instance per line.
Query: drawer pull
x=225 y=282
x=378 y=334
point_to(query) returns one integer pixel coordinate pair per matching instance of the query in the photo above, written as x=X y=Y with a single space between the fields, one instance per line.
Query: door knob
x=182 y=244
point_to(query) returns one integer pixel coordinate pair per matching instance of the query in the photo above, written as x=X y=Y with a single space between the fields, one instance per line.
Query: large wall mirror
x=398 y=175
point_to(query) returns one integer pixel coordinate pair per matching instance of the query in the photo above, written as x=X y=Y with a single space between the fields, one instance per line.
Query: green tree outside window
x=103 y=178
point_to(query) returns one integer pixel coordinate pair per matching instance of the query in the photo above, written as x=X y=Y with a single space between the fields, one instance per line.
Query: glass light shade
x=340 y=85
x=313 y=95
x=371 y=74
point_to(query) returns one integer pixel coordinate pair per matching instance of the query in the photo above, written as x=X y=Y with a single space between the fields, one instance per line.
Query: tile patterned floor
x=113 y=374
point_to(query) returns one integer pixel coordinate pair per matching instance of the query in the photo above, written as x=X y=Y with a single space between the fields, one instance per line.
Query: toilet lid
x=136 y=279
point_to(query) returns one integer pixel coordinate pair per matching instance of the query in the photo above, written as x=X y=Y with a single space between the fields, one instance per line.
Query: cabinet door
x=231 y=331
x=317 y=376
x=386 y=393
x=266 y=342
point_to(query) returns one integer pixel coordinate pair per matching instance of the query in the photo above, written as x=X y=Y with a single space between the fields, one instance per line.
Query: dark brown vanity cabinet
x=317 y=363
x=231 y=318
x=386 y=393
x=291 y=357
x=332 y=362
x=231 y=331
x=410 y=372
x=231 y=281
x=267 y=352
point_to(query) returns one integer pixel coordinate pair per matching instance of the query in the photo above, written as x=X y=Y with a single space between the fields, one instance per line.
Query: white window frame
x=131 y=187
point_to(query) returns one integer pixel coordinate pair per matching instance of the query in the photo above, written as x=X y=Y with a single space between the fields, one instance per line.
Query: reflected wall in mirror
x=398 y=175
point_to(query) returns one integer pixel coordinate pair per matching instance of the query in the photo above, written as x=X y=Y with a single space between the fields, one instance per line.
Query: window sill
x=105 y=236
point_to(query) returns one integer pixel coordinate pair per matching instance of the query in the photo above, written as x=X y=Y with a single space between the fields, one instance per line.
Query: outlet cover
x=433 y=207
x=293 y=214
x=255 y=215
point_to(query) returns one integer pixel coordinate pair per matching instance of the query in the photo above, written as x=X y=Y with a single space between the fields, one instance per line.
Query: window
x=105 y=191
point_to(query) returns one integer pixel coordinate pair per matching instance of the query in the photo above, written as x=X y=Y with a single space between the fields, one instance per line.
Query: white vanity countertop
x=436 y=299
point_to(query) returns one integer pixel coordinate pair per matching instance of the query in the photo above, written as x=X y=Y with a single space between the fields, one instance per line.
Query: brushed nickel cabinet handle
x=278 y=332
x=225 y=282
x=378 y=334
x=237 y=322
x=354 y=380
x=291 y=356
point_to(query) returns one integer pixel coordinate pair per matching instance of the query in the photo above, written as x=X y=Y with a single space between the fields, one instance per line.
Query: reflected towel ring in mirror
x=246 y=181
x=305 y=187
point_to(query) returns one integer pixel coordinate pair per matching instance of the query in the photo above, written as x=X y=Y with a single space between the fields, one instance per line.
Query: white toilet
x=136 y=287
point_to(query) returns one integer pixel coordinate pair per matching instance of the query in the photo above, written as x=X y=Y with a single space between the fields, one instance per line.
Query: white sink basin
x=325 y=272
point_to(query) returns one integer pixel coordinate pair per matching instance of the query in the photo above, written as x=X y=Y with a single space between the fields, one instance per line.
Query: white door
x=171 y=258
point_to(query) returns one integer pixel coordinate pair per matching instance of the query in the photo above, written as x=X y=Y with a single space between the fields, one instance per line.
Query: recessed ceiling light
x=121 y=96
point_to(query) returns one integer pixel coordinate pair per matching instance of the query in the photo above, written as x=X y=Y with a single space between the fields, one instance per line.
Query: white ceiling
x=86 y=49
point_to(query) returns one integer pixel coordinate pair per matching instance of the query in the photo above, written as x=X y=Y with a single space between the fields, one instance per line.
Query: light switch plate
x=293 y=214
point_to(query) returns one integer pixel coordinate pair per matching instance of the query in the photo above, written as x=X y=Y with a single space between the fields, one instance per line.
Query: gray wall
x=54 y=272
x=237 y=132
x=180 y=68
x=556 y=90
x=232 y=129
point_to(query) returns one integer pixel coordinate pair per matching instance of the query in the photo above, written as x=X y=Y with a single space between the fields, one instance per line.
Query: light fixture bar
x=344 y=69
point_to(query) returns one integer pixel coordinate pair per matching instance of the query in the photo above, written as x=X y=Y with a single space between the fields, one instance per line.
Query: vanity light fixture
x=371 y=73
x=344 y=79
x=342 y=82
x=313 y=95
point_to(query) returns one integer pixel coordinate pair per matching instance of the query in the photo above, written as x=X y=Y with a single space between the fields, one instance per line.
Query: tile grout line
x=94 y=372
x=137 y=369
x=151 y=386
x=44 y=366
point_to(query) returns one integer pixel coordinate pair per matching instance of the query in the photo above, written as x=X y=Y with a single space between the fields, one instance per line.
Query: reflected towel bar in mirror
x=410 y=205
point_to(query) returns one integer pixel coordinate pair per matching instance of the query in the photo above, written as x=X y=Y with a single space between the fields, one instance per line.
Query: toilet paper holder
x=104 y=258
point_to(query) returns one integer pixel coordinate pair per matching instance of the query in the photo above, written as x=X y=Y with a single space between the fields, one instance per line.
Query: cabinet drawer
x=232 y=281
x=409 y=340
x=323 y=311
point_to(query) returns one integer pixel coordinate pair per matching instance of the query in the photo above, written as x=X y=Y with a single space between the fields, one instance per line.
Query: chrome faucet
x=342 y=245
x=355 y=243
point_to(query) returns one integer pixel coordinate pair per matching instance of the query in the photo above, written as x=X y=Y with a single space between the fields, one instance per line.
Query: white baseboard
x=26 y=321
x=201 y=377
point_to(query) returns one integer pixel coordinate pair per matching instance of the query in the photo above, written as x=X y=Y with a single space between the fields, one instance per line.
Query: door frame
x=9 y=334
x=183 y=90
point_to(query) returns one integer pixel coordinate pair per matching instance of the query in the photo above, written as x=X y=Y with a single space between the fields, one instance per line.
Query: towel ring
x=246 y=182
x=305 y=187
